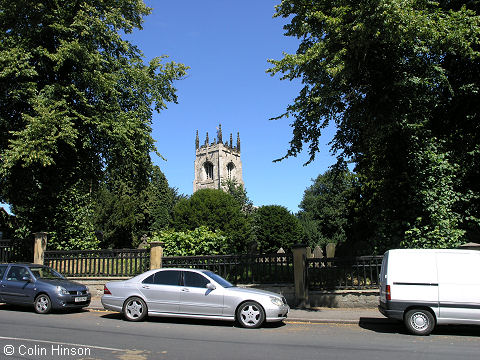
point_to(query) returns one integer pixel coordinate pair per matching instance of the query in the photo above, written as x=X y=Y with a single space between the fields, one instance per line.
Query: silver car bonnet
x=254 y=291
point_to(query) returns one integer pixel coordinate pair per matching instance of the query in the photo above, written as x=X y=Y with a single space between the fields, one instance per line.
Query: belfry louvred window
x=209 y=170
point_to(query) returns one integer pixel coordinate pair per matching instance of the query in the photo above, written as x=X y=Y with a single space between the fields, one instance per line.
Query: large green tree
x=159 y=202
x=216 y=210
x=275 y=227
x=122 y=215
x=76 y=102
x=240 y=194
x=400 y=80
x=326 y=211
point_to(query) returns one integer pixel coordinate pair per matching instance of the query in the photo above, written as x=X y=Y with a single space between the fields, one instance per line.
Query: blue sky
x=227 y=43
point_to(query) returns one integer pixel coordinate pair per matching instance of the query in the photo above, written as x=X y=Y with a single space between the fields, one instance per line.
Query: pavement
x=314 y=315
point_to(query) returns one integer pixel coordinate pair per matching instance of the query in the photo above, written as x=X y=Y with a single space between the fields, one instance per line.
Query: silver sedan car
x=191 y=293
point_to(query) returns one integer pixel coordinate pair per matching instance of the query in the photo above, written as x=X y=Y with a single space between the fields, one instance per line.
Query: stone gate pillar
x=156 y=254
x=39 y=248
x=300 y=275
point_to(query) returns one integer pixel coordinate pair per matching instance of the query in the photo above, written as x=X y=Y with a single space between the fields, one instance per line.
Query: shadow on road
x=171 y=320
x=29 y=309
x=457 y=330
x=387 y=326
x=384 y=326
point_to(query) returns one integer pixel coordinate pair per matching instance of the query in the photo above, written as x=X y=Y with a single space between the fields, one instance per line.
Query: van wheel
x=419 y=321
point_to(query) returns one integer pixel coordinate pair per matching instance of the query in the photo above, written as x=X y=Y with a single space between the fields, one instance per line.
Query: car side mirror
x=210 y=286
x=27 y=278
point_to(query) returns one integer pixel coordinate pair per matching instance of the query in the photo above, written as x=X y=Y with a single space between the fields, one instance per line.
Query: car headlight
x=276 y=301
x=62 y=291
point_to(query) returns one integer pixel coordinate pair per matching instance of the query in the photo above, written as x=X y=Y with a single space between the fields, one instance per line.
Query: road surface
x=105 y=335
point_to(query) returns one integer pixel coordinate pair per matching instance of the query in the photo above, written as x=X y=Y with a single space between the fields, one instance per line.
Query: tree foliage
x=7 y=224
x=72 y=227
x=76 y=101
x=199 y=241
x=160 y=200
x=325 y=210
x=400 y=80
x=240 y=194
x=122 y=214
x=275 y=227
x=218 y=211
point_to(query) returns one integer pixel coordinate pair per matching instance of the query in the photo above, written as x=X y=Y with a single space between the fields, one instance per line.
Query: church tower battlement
x=217 y=162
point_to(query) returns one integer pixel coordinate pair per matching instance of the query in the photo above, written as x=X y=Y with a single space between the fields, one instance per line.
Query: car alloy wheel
x=43 y=304
x=135 y=309
x=250 y=314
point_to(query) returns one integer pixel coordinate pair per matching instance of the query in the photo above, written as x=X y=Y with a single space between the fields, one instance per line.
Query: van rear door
x=383 y=279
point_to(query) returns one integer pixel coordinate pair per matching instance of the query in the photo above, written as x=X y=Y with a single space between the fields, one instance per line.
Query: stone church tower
x=216 y=162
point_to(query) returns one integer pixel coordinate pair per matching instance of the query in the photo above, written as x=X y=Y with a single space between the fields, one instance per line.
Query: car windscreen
x=221 y=281
x=42 y=272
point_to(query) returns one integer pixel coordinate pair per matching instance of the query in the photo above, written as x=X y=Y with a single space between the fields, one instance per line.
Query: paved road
x=103 y=335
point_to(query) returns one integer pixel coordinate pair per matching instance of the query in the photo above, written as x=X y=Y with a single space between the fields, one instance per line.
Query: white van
x=425 y=287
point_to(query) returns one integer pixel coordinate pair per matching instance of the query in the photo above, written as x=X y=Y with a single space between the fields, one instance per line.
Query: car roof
x=181 y=269
x=23 y=264
x=152 y=271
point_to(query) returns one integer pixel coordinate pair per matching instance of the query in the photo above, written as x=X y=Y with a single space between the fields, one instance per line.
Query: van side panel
x=412 y=276
x=459 y=286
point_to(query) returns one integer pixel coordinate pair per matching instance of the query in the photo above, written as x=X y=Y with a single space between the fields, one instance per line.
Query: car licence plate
x=80 y=299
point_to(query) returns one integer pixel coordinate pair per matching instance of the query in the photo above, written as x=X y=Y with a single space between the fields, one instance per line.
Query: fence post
x=39 y=248
x=300 y=278
x=156 y=254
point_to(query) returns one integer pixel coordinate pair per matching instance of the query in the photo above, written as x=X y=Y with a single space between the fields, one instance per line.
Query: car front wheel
x=135 y=309
x=419 y=321
x=250 y=315
x=43 y=304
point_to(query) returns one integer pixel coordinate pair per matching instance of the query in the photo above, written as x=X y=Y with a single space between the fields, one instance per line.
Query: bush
x=199 y=241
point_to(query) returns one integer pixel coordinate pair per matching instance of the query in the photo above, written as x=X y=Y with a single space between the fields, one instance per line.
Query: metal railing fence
x=96 y=263
x=240 y=269
x=343 y=273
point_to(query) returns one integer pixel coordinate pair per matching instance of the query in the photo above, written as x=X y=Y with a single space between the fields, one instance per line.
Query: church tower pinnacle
x=217 y=162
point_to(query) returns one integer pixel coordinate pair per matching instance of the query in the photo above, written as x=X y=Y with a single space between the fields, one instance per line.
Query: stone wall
x=344 y=298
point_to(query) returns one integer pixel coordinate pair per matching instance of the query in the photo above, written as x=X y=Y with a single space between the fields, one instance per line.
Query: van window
x=383 y=272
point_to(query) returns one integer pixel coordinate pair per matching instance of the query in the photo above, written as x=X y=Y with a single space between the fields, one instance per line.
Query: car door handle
x=4 y=285
x=145 y=287
x=185 y=290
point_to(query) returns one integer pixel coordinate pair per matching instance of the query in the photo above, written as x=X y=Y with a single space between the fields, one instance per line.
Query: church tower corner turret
x=217 y=162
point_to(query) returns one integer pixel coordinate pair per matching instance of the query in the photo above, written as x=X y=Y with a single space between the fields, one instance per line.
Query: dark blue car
x=40 y=286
